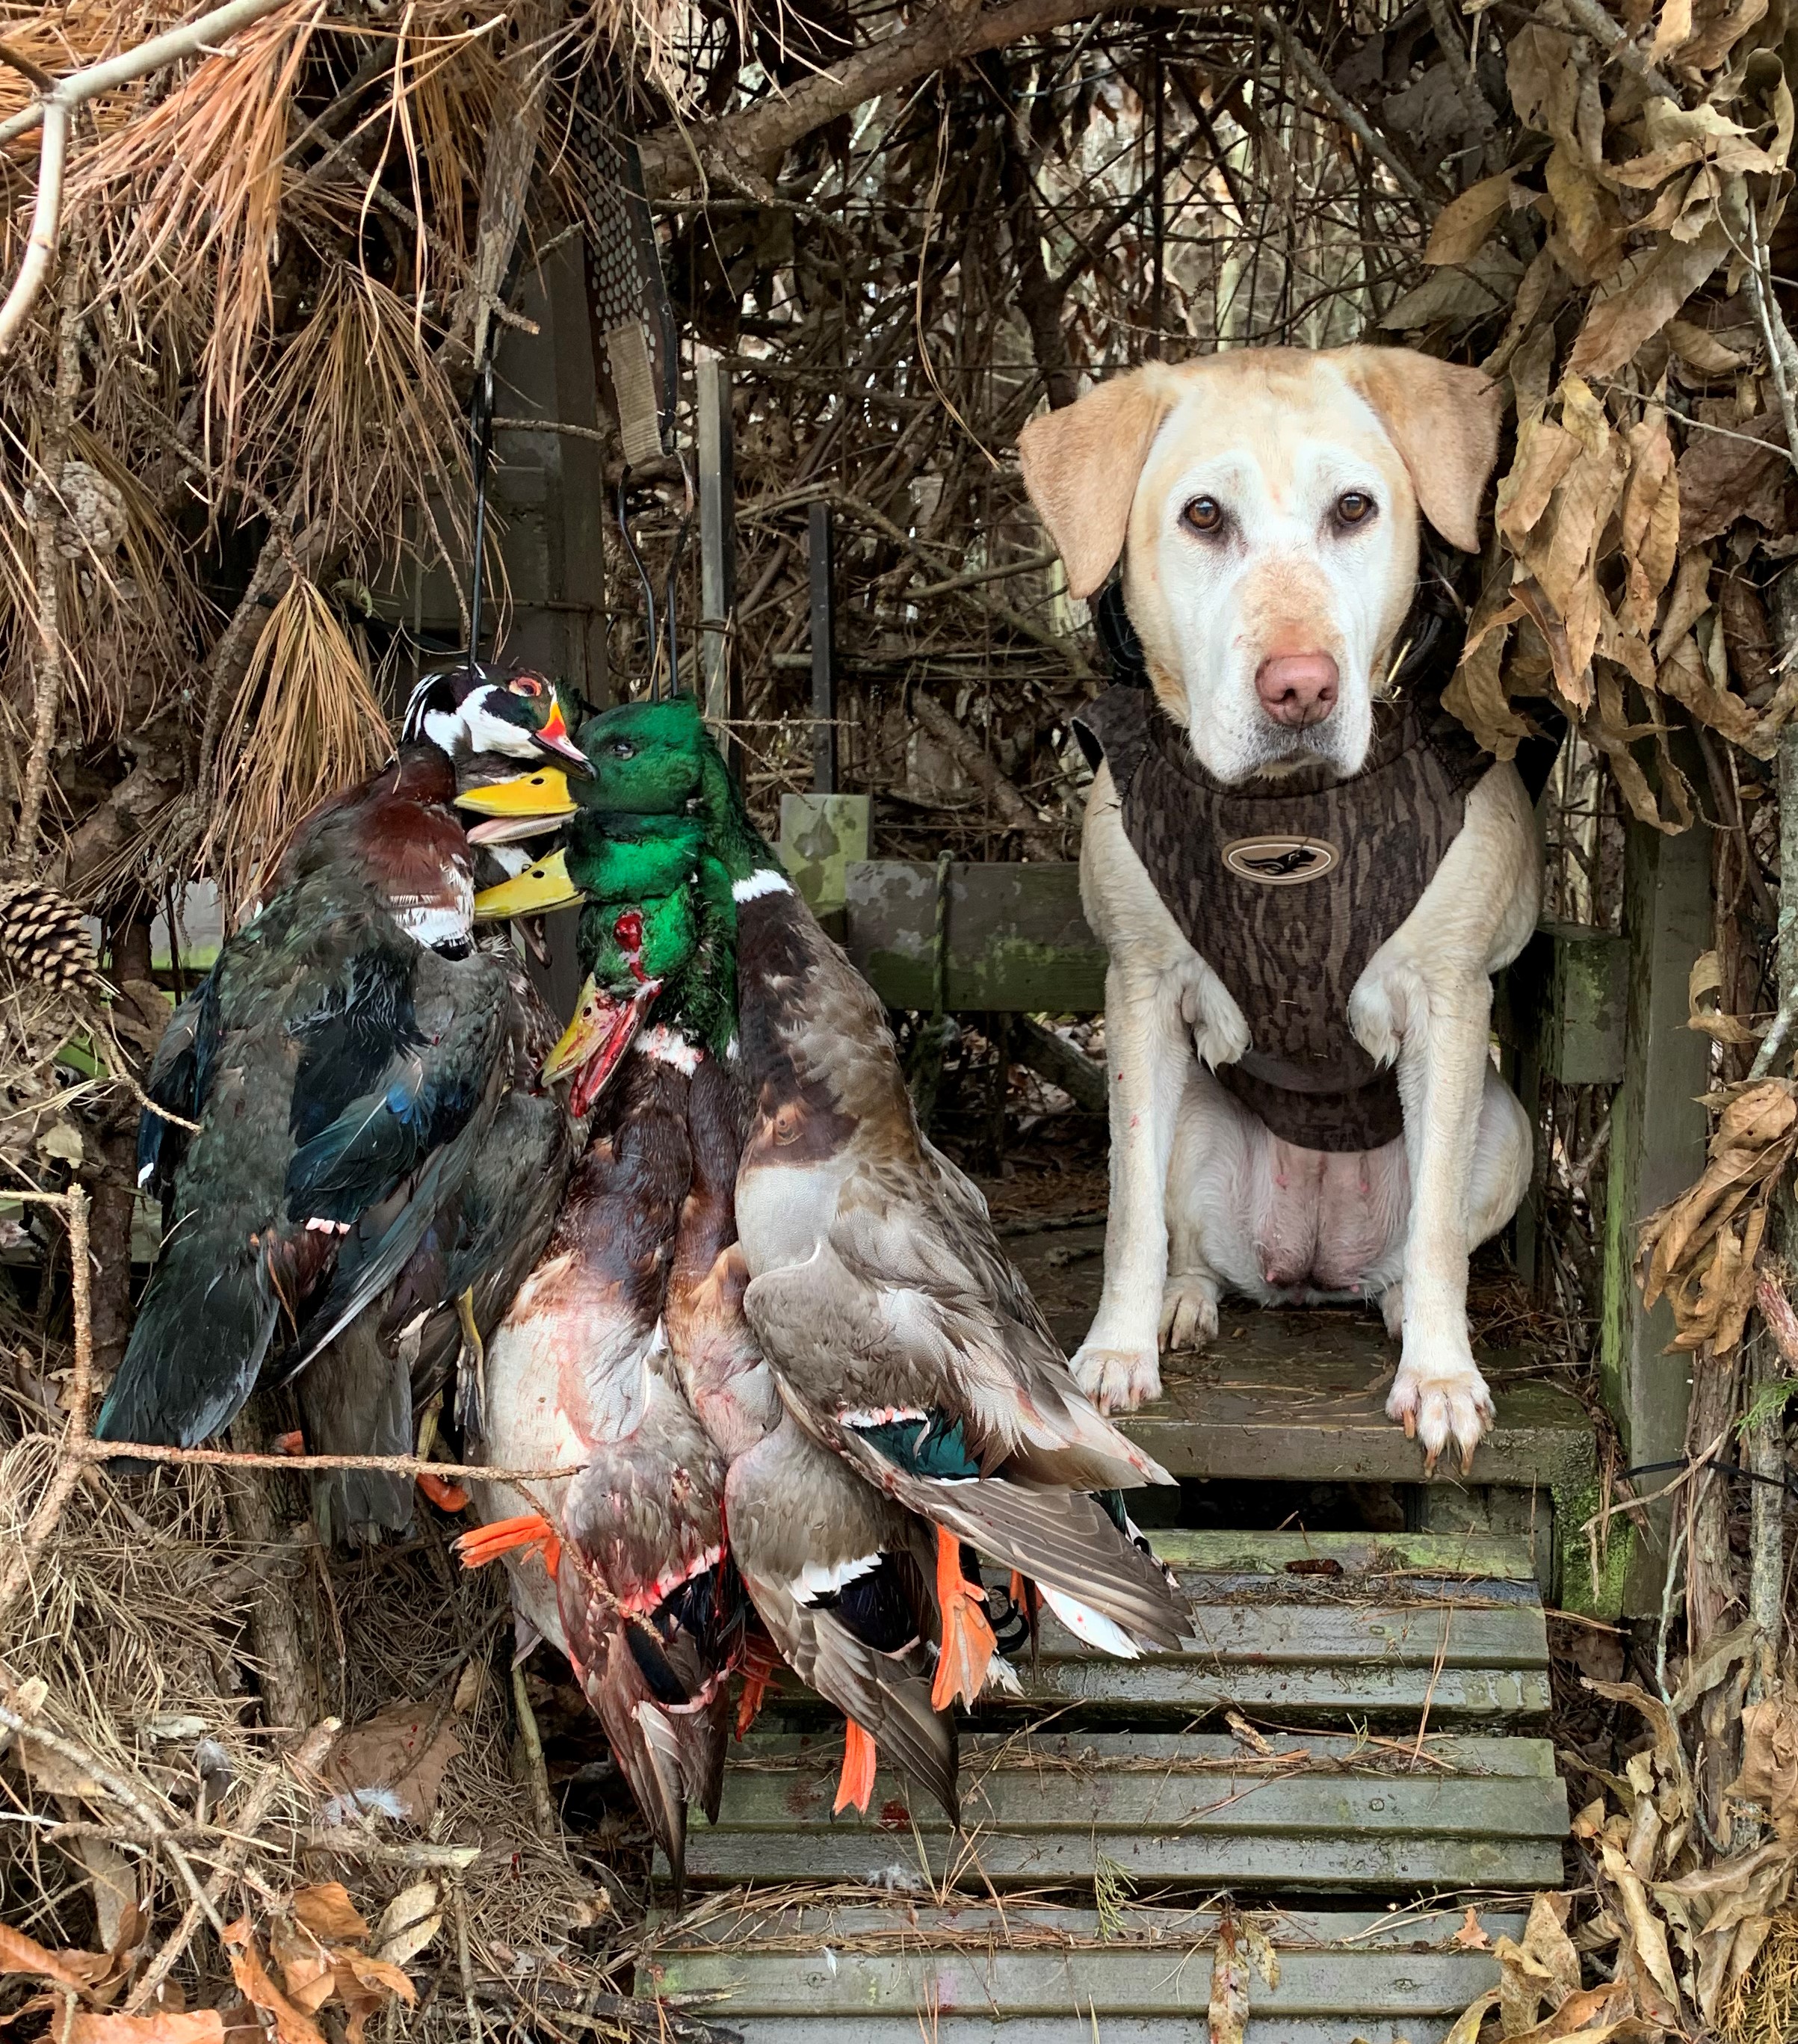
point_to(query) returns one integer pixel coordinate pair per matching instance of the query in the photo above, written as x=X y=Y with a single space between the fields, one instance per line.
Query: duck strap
x=1286 y=889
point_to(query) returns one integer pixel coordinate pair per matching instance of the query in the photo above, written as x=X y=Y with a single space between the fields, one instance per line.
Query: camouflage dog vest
x=1287 y=887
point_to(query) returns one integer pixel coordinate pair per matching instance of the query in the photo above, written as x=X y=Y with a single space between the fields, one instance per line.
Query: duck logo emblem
x=1277 y=859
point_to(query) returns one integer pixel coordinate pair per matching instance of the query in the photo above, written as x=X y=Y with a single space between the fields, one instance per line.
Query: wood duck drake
x=900 y=1336
x=352 y=1059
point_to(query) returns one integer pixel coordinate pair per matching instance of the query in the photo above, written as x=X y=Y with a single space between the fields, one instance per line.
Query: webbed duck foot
x=855 y=1784
x=968 y=1643
x=506 y=1536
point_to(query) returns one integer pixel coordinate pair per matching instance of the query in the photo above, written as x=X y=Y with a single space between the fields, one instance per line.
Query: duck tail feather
x=1061 y=1539
x=196 y=1351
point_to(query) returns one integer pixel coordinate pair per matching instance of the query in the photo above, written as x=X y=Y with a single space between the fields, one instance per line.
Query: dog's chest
x=1287 y=889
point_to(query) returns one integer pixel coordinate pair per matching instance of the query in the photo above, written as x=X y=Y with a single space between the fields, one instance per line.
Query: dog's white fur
x=1275 y=437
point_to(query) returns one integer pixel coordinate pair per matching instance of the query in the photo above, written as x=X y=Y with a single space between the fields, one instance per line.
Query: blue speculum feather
x=934 y=1447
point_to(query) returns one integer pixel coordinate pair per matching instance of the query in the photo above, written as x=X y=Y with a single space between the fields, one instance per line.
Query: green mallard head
x=674 y=954
x=603 y=858
x=642 y=759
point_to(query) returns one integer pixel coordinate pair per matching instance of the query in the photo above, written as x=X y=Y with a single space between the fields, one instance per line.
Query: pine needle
x=316 y=729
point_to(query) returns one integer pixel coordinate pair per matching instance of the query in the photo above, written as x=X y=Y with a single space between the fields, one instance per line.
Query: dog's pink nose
x=1297 y=688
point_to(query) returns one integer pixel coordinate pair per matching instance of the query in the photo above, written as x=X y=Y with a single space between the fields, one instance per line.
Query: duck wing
x=653 y=1611
x=419 y=1122
x=837 y=1573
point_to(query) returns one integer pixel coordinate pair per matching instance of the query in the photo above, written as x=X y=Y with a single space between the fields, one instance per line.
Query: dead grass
x=313 y=726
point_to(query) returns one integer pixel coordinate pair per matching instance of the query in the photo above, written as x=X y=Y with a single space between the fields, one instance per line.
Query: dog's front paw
x=1188 y=1313
x=1385 y=1007
x=1117 y=1380
x=1438 y=1403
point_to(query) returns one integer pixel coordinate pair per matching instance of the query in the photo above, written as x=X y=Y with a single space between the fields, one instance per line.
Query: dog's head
x=1265 y=503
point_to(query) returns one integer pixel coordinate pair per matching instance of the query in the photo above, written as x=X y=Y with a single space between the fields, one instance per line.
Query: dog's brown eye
x=1354 y=507
x=1203 y=514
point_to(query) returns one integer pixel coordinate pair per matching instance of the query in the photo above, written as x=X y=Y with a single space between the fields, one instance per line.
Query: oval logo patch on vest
x=1278 y=859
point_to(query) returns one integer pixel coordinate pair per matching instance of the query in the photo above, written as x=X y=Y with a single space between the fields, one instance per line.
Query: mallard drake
x=839 y=1576
x=624 y=1567
x=900 y=1335
x=350 y=1059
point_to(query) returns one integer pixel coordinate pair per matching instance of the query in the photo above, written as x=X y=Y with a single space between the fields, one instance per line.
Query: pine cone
x=42 y=937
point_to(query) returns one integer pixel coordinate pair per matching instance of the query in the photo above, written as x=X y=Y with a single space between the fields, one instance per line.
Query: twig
x=55 y=108
x=1782 y=351
x=1315 y=75
x=464 y=1962
x=47 y=696
x=1014 y=811
x=1592 y=20
x=304 y=1758
x=536 y=1773
x=352 y=1845
x=147 y=1451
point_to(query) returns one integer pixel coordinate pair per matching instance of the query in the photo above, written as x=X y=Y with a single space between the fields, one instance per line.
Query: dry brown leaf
x=21 y=1954
x=1465 y=223
x=1544 y=81
x=1704 y=351
x=1672 y=29
x=327 y=1912
x=1648 y=530
x=1650 y=288
x=1769 y=1762
x=1466 y=2026
x=1723 y=477
x=1228 y=2006
x=1546 y=450
x=1470 y=1937
x=292 y=2024
x=197 y=2026
x=388 y=1754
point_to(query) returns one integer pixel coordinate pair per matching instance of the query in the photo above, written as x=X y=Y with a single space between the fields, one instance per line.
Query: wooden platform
x=892 y=1974
x=1354 y=1719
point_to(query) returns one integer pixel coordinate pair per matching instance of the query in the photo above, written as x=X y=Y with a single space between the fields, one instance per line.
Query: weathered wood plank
x=821 y=836
x=1017 y=940
x=846 y=1986
x=1381 y=1863
x=1657 y=1137
x=1301 y=1397
x=1436 y=1556
x=1038 y=1975
x=1319 y=1813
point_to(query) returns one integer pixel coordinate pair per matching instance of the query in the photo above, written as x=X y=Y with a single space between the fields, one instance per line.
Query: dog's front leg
x=1438 y=1024
x=1148 y=1048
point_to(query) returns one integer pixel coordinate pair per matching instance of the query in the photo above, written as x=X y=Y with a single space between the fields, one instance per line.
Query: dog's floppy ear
x=1443 y=420
x=1081 y=465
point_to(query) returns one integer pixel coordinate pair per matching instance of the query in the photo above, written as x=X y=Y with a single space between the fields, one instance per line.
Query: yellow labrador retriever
x=1327 y=858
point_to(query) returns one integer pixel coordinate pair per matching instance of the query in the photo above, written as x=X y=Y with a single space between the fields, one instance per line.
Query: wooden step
x=1396 y=1628
x=1314 y=1812
x=889 y=1974
x=1299 y=1397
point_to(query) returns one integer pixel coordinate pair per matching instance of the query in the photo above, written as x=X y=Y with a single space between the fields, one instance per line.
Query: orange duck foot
x=968 y=1643
x=856 y=1783
x=507 y=1536
x=446 y=1496
x=760 y=1664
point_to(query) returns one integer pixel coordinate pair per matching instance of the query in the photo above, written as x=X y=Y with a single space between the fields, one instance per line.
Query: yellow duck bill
x=593 y=1043
x=542 y=795
x=534 y=891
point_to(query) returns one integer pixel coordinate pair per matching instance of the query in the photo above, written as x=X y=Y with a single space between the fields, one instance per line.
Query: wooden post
x=824 y=650
x=1657 y=1139
x=717 y=549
